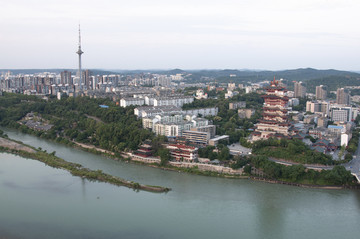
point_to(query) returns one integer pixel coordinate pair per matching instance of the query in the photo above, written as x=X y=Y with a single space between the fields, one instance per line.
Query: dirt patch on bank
x=13 y=145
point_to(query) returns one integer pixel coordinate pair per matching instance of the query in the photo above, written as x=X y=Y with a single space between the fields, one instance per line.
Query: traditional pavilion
x=274 y=121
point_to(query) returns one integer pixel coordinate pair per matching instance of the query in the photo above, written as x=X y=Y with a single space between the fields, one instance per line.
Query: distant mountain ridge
x=301 y=74
x=221 y=75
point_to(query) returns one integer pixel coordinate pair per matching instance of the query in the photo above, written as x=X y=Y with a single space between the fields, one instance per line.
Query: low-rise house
x=36 y=125
x=215 y=141
x=325 y=146
x=318 y=132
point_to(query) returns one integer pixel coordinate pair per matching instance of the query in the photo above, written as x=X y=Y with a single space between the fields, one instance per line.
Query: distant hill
x=303 y=74
x=332 y=82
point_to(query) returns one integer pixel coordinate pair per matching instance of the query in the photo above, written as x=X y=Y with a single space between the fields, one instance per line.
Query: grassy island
x=74 y=168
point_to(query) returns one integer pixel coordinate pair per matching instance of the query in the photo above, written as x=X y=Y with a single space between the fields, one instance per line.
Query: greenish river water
x=37 y=201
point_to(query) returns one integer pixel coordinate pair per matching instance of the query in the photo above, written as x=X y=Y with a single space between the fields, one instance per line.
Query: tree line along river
x=37 y=201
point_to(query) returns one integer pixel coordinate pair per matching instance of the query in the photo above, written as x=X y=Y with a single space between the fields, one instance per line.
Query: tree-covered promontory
x=80 y=119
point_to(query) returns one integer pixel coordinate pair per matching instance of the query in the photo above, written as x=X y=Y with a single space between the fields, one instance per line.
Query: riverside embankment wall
x=200 y=166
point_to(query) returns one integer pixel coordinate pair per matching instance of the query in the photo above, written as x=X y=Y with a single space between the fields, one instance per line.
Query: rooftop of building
x=220 y=137
x=335 y=127
x=163 y=107
x=131 y=99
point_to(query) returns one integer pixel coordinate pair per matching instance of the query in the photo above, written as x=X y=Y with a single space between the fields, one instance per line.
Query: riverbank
x=194 y=168
x=273 y=181
x=13 y=147
x=213 y=170
x=210 y=170
x=191 y=168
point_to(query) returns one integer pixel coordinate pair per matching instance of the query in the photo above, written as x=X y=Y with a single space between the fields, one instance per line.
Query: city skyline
x=188 y=35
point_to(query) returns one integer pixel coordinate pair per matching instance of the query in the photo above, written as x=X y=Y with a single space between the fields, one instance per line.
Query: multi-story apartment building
x=299 y=89
x=321 y=92
x=170 y=129
x=212 y=111
x=196 y=137
x=124 y=102
x=177 y=101
x=318 y=107
x=148 y=111
x=66 y=78
x=342 y=96
x=341 y=113
x=211 y=129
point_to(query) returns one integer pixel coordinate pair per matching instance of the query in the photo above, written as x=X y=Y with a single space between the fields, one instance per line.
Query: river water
x=37 y=201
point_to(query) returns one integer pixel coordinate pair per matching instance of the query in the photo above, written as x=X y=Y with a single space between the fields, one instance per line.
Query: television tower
x=79 y=52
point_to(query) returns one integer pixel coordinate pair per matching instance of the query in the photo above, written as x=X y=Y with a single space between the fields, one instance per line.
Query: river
x=37 y=201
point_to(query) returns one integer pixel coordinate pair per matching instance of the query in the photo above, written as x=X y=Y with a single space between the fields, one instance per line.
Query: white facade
x=293 y=102
x=148 y=111
x=171 y=129
x=344 y=139
x=149 y=122
x=343 y=114
x=124 y=102
x=203 y=112
x=318 y=106
x=229 y=94
x=200 y=94
x=177 y=101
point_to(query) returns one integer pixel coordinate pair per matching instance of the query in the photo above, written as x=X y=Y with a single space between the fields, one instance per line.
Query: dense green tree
x=164 y=156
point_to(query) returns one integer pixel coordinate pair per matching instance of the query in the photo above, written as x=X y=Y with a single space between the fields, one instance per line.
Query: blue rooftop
x=104 y=106
x=334 y=127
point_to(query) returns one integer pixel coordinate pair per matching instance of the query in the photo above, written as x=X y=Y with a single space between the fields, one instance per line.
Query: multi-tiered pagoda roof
x=274 y=121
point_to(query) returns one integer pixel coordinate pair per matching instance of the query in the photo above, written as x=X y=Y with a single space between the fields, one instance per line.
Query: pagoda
x=145 y=150
x=274 y=121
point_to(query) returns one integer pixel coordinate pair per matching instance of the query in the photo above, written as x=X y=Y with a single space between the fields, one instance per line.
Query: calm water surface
x=37 y=201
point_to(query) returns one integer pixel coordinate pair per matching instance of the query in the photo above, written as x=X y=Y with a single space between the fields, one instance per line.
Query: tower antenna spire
x=79 y=37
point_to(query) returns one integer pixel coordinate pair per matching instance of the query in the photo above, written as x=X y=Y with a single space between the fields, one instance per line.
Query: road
x=310 y=166
x=354 y=165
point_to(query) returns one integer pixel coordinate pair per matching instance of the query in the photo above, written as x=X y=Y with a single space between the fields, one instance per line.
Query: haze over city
x=186 y=34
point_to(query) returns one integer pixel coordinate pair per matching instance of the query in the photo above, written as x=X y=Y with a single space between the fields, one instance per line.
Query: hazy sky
x=187 y=34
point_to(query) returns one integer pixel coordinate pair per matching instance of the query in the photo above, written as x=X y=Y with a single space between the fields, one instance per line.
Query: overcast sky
x=186 y=34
